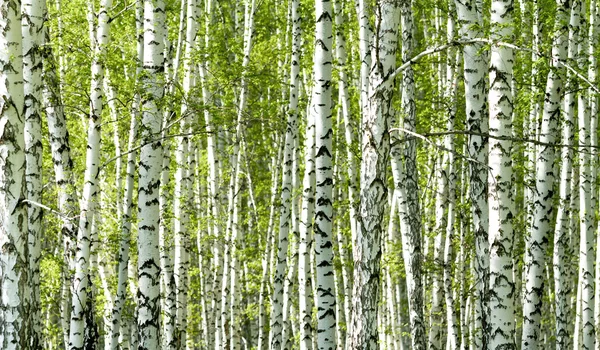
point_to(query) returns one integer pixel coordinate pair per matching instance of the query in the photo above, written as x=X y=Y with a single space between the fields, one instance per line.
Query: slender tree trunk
x=586 y=224
x=63 y=173
x=183 y=185
x=151 y=156
x=117 y=326
x=543 y=210
x=305 y=298
x=267 y=257
x=81 y=333
x=373 y=190
x=344 y=97
x=321 y=107
x=450 y=89
x=34 y=13
x=285 y=212
x=410 y=214
x=475 y=67
x=594 y=31
x=562 y=288
x=501 y=207
x=14 y=317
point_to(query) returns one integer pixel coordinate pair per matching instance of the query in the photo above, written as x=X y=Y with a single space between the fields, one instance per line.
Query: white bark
x=267 y=256
x=373 y=190
x=214 y=178
x=586 y=220
x=285 y=211
x=448 y=163
x=183 y=185
x=13 y=212
x=34 y=13
x=151 y=157
x=501 y=206
x=475 y=68
x=543 y=209
x=63 y=173
x=561 y=235
x=81 y=334
x=117 y=326
x=321 y=106
x=407 y=182
x=305 y=303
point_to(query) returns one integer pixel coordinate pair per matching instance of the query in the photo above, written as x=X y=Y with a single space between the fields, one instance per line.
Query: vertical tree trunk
x=450 y=89
x=586 y=221
x=151 y=157
x=213 y=164
x=292 y=127
x=34 y=13
x=502 y=288
x=285 y=211
x=322 y=108
x=373 y=190
x=562 y=288
x=183 y=185
x=63 y=173
x=14 y=318
x=81 y=333
x=305 y=300
x=410 y=214
x=543 y=210
x=117 y=326
x=475 y=67
x=267 y=256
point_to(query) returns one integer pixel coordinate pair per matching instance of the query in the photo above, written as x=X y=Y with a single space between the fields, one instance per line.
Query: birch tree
x=501 y=206
x=14 y=319
x=149 y=176
x=81 y=330
x=373 y=189
x=322 y=109
x=470 y=22
x=34 y=13
x=561 y=234
x=543 y=211
x=410 y=218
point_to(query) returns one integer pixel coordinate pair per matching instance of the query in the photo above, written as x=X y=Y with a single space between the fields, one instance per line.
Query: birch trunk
x=63 y=173
x=305 y=299
x=285 y=211
x=151 y=158
x=377 y=111
x=117 y=326
x=501 y=206
x=183 y=184
x=14 y=306
x=81 y=334
x=543 y=209
x=322 y=109
x=475 y=67
x=562 y=288
x=586 y=221
x=34 y=13
x=410 y=214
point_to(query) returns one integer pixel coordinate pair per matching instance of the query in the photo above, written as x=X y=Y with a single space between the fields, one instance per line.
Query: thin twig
x=57 y=213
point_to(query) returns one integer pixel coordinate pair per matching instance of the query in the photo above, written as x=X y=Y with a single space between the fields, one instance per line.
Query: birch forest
x=299 y=174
